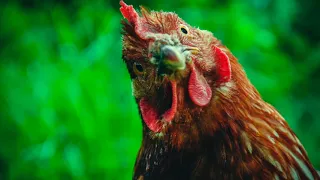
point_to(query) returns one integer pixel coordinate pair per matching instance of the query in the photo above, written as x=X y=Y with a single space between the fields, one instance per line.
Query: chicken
x=202 y=118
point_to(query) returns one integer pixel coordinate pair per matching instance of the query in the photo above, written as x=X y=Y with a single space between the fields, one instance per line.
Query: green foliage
x=66 y=106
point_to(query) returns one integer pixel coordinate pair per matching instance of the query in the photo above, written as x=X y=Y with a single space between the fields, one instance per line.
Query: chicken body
x=202 y=118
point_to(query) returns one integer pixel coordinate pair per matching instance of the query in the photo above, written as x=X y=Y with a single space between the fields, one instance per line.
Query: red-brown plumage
x=212 y=124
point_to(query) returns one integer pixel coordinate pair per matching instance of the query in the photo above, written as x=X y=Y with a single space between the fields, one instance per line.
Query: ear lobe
x=222 y=65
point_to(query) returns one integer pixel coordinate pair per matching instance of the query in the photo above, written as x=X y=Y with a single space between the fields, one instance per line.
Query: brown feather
x=236 y=136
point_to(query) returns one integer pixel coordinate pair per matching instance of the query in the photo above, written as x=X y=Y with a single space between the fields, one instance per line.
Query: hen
x=202 y=118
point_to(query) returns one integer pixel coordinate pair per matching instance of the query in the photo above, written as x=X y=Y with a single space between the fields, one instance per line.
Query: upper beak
x=174 y=58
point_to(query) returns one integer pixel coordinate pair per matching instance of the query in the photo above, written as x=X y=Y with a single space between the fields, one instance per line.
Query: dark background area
x=66 y=106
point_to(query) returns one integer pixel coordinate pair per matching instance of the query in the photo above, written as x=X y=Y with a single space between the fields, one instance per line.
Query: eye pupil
x=139 y=67
x=183 y=30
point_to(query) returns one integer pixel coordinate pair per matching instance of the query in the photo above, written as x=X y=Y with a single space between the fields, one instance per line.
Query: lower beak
x=192 y=50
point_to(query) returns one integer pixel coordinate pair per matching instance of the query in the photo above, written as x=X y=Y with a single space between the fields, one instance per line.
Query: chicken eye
x=184 y=29
x=137 y=68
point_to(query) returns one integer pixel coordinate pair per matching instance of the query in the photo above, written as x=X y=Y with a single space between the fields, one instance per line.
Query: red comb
x=128 y=12
x=134 y=19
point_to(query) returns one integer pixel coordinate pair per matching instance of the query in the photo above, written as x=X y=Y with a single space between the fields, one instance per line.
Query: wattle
x=199 y=90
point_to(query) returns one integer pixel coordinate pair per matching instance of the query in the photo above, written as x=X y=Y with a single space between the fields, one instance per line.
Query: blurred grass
x=66 y=105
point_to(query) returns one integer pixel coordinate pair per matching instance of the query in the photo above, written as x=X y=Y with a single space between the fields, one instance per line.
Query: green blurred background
x=66 y=106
